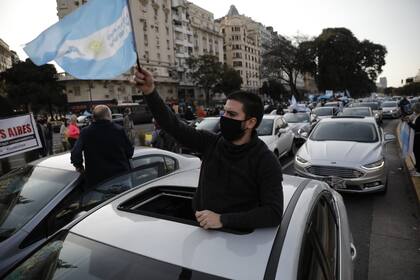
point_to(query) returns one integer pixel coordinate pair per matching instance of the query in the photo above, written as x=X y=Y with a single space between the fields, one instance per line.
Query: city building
x=5 y=56
x=417 y=77
x=242 y=47
x=383 y=83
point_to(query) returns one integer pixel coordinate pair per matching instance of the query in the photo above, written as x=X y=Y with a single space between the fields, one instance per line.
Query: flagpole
x=134 y=33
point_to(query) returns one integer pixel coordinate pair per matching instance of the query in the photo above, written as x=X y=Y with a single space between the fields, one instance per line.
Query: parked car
x=42 y=197
x=299 y=122
x=391 y=109
x=374 y=106
x=346 y=152
x=151 y=233
x=83 y=121
x=210 y=124
x=277 y=135
x=320 y=113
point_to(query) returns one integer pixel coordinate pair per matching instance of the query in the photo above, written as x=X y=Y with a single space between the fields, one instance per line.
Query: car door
x=320 y=253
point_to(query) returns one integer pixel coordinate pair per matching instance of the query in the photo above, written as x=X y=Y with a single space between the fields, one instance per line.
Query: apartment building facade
x=5 y=56
x=242 y=47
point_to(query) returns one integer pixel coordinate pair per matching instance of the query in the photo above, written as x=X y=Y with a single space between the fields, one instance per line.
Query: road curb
x=409 y=163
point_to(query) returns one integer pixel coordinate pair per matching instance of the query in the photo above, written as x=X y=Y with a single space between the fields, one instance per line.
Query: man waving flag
x=93 y=42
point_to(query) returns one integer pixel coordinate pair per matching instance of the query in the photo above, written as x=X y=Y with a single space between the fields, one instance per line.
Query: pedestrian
x=73 y=131
x=63 y=135
x=415 y=125
x=42 y=152
x=240 y=184
x=405 y=107
x=128 y=125
x=105 y=147
x=280 y=110
x=201 y=114
x=189 y=115
x=49 y=137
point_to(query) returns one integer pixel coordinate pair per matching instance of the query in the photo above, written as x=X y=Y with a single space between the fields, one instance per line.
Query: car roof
x=214 y=252
x=350 y=119
x=267 y=116
x=62 y=161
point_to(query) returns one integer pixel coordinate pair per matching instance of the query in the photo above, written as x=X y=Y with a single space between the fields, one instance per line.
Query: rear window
x=23 y=193
x=70 y=256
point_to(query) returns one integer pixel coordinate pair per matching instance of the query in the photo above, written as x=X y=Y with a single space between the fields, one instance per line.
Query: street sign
x=18 y=135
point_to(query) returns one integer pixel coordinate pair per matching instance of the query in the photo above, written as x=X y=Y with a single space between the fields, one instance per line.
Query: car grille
x=341 y=172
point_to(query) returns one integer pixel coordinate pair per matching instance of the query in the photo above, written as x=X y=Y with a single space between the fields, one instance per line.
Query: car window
x=297 y=118
x=345 y=131
x=70 y=256
x=266 y=127
x=323 y=111
x=25 y=192
x=357 y=112
x=120 y=184
x=319 y=253
x=170 y=164
x=389 y=104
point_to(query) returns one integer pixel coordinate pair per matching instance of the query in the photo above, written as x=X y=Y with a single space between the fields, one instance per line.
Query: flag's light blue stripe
x=121 y=62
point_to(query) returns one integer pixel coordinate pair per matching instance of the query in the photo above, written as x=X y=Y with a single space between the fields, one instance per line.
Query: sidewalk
x=409 y=162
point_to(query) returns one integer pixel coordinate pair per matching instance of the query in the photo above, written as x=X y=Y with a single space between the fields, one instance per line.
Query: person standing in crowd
x=405 y=107
x=415 y=125
x=63 y=135
x=240 y=184
x=41 y=132
x=189 y=115
x=128 y=125
x=106 y=148
x=49 y=137
x=73 y=131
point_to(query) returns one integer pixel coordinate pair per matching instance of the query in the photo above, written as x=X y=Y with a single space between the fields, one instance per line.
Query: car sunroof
x=168 y=203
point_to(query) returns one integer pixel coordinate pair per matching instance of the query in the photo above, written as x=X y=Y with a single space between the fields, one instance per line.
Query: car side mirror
x=388 y=138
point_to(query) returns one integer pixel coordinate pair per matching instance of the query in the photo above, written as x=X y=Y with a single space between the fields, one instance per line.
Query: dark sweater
x=242 y=183
x=107 y=151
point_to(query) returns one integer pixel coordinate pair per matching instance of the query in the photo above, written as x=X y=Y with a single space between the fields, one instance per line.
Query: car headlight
x=301 y=160
x=374 y=165
x=391 y=111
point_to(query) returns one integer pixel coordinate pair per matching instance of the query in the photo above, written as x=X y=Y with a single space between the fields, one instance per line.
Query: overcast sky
x=395 y=24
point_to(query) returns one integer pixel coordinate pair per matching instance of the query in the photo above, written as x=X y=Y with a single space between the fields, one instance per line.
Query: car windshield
x=208 y=124
x=345 y=131
x=389 y=104
x=70 y=256
x=373 y=106
x=332 y=104
x=323 y=111
x=296 y=118
x=266 y=127
x=364 y=112
x=23 y=193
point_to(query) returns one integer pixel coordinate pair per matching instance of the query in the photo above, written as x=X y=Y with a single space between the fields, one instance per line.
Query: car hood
x=340 y=152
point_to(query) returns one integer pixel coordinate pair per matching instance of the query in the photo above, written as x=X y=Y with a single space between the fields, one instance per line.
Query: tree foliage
x=276 y=90
x=339 y=61
x=411 y=89
x=230 y=80
x=286 y=62
x=33 y=87
x=211 y=75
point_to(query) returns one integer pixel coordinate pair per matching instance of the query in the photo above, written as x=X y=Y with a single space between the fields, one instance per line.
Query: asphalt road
x=386 y=228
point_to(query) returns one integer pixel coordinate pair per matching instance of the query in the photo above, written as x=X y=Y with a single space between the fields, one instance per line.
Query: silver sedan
x=346 y=152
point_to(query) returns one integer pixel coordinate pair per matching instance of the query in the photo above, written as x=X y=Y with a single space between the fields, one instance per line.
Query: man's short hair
x=252 y=104
x=102 y=112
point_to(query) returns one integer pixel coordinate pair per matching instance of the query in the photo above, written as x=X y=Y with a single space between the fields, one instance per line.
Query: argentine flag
x=93 y=42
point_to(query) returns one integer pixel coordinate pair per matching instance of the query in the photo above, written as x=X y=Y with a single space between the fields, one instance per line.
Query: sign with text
x=18 y=135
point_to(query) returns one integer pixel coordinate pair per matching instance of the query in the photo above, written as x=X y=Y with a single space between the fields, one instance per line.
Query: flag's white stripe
x=100 y=45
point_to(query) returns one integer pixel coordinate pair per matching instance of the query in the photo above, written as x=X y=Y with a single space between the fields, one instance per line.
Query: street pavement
x=386 y=228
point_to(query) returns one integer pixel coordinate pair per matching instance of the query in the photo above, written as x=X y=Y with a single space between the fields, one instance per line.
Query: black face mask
x=231 y=129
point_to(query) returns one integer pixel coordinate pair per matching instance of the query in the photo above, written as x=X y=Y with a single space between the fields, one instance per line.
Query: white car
x=42 y=197
x=348 y=153
x=390 y=109
x=151 y=233
x=277 y=135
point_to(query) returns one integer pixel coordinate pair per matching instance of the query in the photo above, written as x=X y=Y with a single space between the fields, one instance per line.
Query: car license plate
x=336 y=182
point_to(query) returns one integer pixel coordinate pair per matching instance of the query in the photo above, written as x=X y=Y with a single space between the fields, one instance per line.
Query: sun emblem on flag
x=95 y=46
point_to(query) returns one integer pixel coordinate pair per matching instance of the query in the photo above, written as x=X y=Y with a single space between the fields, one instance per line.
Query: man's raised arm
x=167 y=120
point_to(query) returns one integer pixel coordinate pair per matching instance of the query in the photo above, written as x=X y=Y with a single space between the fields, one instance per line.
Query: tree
x=34 y=87
x=339 y=61
x=275 y=89
x=230 y=81
x=285 y=62
x=206 y=72
x=411 y=89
